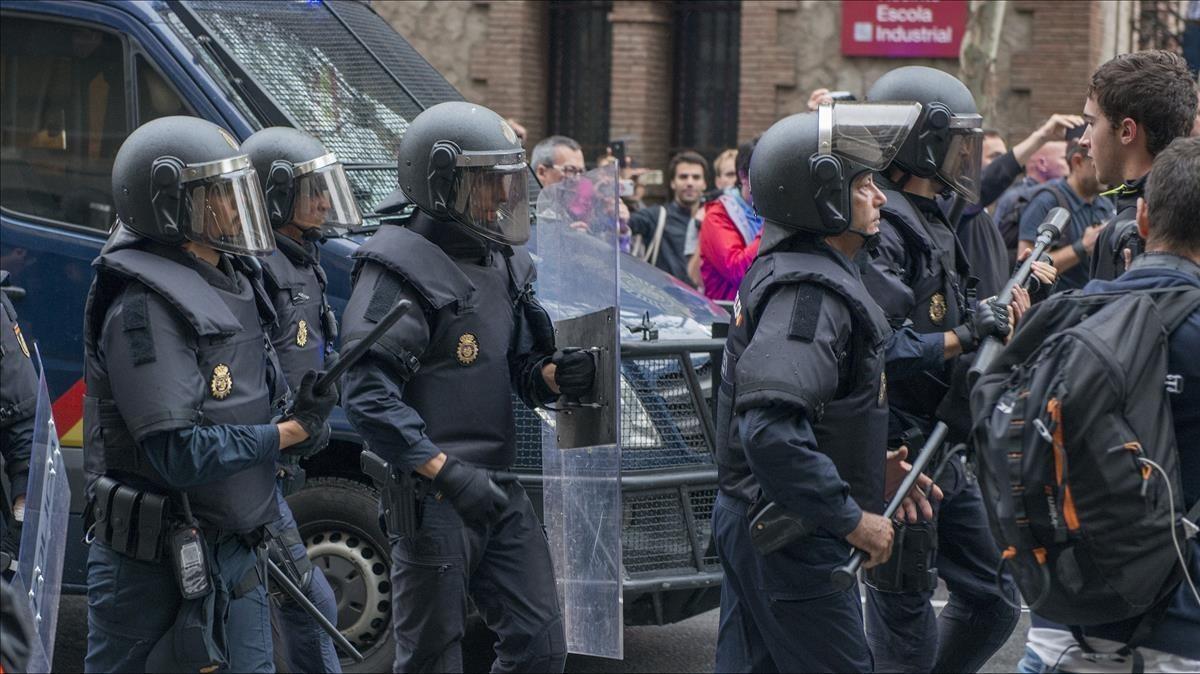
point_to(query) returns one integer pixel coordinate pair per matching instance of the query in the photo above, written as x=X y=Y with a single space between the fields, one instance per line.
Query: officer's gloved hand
x=471 y=491
x=989 y=320
x=575 y=372
x=310 y=409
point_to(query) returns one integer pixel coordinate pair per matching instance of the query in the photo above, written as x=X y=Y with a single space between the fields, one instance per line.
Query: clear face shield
x=322 y=195
x=224 y=202
x=964 y=156
x=488 y=193
x=854 y=138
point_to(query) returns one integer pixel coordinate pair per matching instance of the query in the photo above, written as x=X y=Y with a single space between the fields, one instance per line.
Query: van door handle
x=14 y=292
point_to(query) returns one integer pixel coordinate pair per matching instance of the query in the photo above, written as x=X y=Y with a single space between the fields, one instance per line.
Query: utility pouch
x=910 y=568
x=189 y=560
x=130 y=521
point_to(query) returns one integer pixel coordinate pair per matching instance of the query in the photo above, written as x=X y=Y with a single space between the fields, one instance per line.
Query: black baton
x=328 y=377
x=297 y=596
x=844 y=576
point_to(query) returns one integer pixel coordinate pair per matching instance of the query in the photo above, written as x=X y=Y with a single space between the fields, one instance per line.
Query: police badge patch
x=302 y=333
x=468 y=349
x=21 y=340
x=222 y=382
x=937 y=308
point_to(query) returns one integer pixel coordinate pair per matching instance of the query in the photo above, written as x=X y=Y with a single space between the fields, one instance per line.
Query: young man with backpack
x=1137 y=104
x=1088 y=436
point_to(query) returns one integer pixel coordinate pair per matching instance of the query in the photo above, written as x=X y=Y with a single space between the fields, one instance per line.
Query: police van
x=79 y=76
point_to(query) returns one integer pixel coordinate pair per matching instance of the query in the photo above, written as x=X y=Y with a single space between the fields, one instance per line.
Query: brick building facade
x=499 y=53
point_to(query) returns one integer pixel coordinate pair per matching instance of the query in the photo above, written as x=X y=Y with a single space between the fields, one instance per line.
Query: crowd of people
x=869 y=278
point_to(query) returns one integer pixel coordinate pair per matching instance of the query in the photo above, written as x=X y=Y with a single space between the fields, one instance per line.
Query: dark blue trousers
x=299 y=641
x=780 y=613
x=906 y=634
x=131 y=604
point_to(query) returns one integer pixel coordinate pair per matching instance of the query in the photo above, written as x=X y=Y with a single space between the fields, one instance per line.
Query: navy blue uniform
x=303 y=335
x=441 y=380
x=920 y=275
x=802 y=421
x=181 y=388
x=18 y=406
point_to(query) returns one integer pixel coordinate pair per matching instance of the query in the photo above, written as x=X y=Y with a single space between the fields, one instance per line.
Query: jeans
x=301 y=643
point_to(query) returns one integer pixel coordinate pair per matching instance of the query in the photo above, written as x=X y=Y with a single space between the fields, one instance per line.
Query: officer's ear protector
x=933 y=141
x=280 y=192
x=442 y=158
x=831 y=196
x=167 y=198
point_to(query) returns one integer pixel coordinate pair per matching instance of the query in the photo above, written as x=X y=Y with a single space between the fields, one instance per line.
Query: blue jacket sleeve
x=908 y=353
x=188 y=457
x=375 y=405
x=782 y=453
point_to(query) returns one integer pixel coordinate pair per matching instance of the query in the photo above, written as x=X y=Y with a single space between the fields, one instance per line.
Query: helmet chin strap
x=870 y=241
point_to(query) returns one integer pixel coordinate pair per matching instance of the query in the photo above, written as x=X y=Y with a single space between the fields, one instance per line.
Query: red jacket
x=724 y=254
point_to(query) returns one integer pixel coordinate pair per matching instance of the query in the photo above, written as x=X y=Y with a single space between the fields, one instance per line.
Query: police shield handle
x=844 y=576
x=294 y=592
x=1047 y=233
x=354 y=353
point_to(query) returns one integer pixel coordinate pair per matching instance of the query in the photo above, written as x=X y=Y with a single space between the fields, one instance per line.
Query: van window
x=63 y=93
x=155 y=96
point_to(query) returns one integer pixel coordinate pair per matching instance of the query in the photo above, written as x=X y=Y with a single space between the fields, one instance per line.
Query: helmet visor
x=493 y=201
x=869 y=134
x=226 y=209
x=324 y=197
x=960 y=168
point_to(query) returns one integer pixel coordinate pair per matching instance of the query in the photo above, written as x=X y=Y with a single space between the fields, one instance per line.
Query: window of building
x=707 y=41
x=64 y=117
x=580 y=73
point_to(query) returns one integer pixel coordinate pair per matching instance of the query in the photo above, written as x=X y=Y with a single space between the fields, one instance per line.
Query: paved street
x=683 y=647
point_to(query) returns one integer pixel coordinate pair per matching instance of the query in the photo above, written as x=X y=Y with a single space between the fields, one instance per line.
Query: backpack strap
x=1176 y=305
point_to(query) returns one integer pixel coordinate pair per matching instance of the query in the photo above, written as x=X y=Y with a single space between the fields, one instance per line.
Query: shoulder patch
x=806 y=312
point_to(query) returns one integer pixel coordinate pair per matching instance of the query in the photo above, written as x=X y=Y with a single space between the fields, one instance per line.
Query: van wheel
x=339 y=522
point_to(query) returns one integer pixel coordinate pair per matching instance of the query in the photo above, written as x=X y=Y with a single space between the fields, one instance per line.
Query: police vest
x=462 y=385
x=305 y=329
x=243 y=383
x=852 y=427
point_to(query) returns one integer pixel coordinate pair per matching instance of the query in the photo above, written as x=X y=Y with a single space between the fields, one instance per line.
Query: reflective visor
x=493 y=201
x=961 y=166
x=227 y=209
x=323 y=197
x=867 y=133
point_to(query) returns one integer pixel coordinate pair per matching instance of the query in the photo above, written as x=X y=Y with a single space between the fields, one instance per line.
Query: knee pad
x=910 y=568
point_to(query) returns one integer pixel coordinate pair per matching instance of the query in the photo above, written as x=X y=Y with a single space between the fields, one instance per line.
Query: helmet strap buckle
x=167 y=200
x=279 y=193
x=830 y=195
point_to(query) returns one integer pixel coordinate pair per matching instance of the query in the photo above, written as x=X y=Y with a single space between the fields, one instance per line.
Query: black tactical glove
x=575 y=372
x=471 y=491
x=10 y=545
x=309 y=408
x=989 y=320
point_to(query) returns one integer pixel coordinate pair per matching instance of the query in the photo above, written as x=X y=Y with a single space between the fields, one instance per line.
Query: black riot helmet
x=804 y=164
x=303 y=183
x=178 y=179
x=947 y=142
x=463 y=162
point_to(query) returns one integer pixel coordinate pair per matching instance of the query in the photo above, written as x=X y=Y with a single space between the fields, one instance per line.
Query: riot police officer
x=304 y=189
x=922 y=276
x=18 y=405
x=434 y=396
x=802 y=407
x=182 y=388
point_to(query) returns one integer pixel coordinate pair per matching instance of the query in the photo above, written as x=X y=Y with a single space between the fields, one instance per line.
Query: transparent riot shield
x=44 y=532
x=577 y=249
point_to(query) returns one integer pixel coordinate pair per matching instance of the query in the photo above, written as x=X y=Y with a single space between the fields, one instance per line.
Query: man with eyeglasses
x=555 y=159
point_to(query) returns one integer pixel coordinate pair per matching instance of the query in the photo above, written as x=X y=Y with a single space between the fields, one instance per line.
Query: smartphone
x=626 y=188
x=842 y=96
x=618 y=150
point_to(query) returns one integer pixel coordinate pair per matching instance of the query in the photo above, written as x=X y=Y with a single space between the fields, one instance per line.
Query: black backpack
x=1010 y=224
x=1067 y=420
